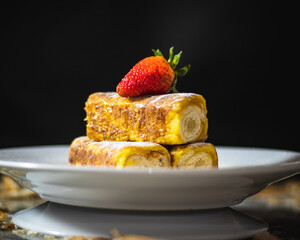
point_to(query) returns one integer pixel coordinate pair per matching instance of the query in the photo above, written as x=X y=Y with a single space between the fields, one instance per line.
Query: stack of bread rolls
x=166 y=130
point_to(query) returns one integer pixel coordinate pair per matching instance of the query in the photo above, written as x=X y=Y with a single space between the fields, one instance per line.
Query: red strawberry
x=152 y=75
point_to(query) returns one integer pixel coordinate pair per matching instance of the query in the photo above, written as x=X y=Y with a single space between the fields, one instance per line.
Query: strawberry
x=152 y=75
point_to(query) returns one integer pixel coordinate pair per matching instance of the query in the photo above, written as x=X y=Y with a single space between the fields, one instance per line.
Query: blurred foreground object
x=14 y=197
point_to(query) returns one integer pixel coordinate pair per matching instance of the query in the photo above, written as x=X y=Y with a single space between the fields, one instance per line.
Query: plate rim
x=293 y=162
x=246 y=180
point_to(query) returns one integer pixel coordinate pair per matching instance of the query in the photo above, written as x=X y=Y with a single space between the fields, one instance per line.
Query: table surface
x=278 y=205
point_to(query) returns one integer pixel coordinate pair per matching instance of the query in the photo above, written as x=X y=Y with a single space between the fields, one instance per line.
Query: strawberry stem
x=173 y=61
x=171 y=55
x=183 y=71
x=157 y=52
x=173 y=87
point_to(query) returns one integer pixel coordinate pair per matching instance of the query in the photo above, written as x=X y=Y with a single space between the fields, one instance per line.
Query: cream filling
x=195 y=159
x=154 y=159
x=190 y=123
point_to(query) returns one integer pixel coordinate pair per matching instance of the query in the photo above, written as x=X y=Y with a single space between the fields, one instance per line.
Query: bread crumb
x=19 y=231
x=3 y=215
x=24 y=233
x=118 y=236
x=5 y=222
x=9 y=226
x=31 y=233
x=49 y=237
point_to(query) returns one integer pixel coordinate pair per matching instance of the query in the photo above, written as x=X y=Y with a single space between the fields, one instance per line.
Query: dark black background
x=54 y=55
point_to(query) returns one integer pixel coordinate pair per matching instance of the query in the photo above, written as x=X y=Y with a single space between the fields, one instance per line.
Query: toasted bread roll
x=84 y=151
x=167 y=119
x=194 y=155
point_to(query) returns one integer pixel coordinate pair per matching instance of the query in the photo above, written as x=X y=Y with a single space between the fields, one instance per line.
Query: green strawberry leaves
x=157 y=52
x=171 y=55
x=173 y=61
x=183 y=71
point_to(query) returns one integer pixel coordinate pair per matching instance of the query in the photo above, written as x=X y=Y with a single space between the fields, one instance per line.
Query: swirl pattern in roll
x=194 y=155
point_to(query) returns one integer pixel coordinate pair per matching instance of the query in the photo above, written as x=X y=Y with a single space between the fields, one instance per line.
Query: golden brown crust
x=84 y=151
x=111 y=117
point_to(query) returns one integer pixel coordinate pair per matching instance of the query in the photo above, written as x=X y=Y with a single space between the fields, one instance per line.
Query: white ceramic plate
x=62 y=220
x=242 y=172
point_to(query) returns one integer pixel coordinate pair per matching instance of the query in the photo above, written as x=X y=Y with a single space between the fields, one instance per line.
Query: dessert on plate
x=84 y=151
x=168 y=119
x=194 y=155
x=135 y=125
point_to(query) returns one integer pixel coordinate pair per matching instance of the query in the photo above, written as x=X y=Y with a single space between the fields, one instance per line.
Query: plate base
x=64 y=220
